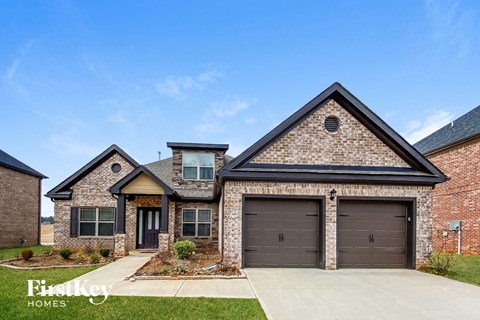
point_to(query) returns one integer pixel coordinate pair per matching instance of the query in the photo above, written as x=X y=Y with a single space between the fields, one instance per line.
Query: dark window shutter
x=74 y=222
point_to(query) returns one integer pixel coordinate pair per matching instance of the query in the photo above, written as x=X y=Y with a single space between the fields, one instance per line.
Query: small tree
x=27 y=254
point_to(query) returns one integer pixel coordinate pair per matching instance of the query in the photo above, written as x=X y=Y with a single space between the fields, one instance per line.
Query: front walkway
x=115 y=274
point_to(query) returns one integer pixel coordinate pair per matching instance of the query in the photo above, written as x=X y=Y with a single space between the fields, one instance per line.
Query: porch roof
x=143 y=177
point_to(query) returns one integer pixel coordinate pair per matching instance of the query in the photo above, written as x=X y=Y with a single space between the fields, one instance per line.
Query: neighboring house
x=20 y=202
x=332 y=186
x=455 y=149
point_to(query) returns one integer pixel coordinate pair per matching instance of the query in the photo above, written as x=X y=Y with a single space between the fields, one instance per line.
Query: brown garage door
x=281 y=233
x=371 y=234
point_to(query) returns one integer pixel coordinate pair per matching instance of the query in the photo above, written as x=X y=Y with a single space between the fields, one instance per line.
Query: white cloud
x=67 y=146
x=229 y=107
x=451 y=24
x=13 y=67
x=250 y=120
x=417 y=129
x=216 y=118
x=177 y=86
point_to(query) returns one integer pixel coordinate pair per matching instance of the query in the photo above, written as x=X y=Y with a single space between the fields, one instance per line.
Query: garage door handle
x=371 y=238
x=249 y=250
x=280 y=237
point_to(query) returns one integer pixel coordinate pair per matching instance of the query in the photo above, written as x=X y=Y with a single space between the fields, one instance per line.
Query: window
x=198 y=166
x=196 y=223
x=97 y=222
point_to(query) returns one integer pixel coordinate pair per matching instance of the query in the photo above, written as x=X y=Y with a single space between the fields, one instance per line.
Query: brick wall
x=211 y=242
x=19 y=208
x=234 y=190
x=310 y=143
x=90 y=191
x=459 y=198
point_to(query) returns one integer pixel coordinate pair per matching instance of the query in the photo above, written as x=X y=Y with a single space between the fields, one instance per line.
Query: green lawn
x=466 y=269
x=10 y=253
x=14 y=302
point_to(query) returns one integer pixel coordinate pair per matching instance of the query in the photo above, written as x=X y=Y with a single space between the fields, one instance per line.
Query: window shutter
x=74 y=222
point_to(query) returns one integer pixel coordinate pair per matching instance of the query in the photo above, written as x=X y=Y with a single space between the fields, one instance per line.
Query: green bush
x=27 y=254
x=104 y=252
x=94 y=258
x=65 y=253
x=183 y=249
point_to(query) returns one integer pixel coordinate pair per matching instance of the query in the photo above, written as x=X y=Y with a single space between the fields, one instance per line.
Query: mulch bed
x=51 y=260
x=196 y=265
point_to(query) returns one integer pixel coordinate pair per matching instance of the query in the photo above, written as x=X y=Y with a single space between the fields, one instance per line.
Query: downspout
x=39 y=229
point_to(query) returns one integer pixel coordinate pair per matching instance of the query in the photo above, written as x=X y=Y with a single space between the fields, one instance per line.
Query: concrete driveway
x=362 y=294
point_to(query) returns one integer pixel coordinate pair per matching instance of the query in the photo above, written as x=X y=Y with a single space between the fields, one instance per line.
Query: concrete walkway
x=362 y=294
x=115 y=274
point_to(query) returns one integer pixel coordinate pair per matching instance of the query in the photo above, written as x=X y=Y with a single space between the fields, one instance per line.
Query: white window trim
x=97 y=215
x=196 y=222
x=199 y=166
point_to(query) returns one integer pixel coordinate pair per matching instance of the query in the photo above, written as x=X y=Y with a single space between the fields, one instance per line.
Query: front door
x=148 y=227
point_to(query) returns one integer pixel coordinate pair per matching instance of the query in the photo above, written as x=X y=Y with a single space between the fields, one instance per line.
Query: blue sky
x=78 y=76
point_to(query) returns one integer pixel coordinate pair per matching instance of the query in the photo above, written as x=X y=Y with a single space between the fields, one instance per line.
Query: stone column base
x=163 y=242
x=120 y=249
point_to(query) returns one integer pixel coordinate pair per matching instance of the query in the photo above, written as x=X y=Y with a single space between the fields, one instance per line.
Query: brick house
x=332 y=186
x=455 y=149
x=20 y=202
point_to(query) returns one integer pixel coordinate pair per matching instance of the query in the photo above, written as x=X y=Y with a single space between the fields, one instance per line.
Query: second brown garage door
x=371 y=234
x=281 y=233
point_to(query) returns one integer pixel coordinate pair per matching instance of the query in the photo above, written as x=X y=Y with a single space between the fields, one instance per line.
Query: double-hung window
x=196 y=222
x=97 y=222
x=198 y=166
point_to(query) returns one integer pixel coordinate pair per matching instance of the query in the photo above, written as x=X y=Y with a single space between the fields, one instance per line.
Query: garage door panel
x=283 y=233
x=371 y=234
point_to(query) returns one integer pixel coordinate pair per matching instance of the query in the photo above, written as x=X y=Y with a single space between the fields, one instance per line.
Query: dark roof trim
x=332 y=178
x=117 y=187
x=55 y=193
x=196 y=199
x=357 y=109
x=13 y=163
x=200 y=146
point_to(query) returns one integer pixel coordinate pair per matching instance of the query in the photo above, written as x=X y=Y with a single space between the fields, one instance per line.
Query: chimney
x=159 y=155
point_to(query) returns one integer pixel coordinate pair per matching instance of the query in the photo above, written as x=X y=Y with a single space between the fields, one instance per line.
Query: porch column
x=164 y=223
x=120 y=217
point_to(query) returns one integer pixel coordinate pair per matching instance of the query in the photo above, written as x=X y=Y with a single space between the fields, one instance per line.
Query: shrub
x=27 y=254
x=441 y=263
x=47 y=250
x=65 y=253
x=183 y=249
x=80 y=256
x=104 y=252
x=94 y=258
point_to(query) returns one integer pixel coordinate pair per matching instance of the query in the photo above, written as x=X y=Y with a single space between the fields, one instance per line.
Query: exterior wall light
x=333 y=194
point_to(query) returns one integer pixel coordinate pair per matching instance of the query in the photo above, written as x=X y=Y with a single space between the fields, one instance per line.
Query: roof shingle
x=10 y=162
x=465 y=127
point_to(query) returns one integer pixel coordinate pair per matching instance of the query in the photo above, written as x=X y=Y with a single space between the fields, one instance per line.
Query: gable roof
x=464 y=128
x=10 y=162
x=117 y=187
x=424 y=172
x=63 y=191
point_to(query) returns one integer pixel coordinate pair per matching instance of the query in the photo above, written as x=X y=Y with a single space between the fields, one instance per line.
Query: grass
x=10 y=253
x=14 y=302
x=466 y=269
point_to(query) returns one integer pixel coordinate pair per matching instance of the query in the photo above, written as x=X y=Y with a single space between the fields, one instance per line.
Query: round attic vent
x=116 y=167
x=331 y=124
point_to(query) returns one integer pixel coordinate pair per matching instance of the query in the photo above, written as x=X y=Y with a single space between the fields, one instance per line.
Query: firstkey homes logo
x=74 y=288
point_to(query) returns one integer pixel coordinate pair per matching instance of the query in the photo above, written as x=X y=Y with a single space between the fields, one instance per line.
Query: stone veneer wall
x=177 y=179
x=458 y=198
x=19 y=208
x=234 y=190
x=310 y=143
x=90 y=191
x=131 y=217
x=207 y=243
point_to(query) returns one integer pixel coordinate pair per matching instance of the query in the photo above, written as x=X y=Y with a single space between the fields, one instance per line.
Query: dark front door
x=372 y=234
x=148 y=227
x=281 y=233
